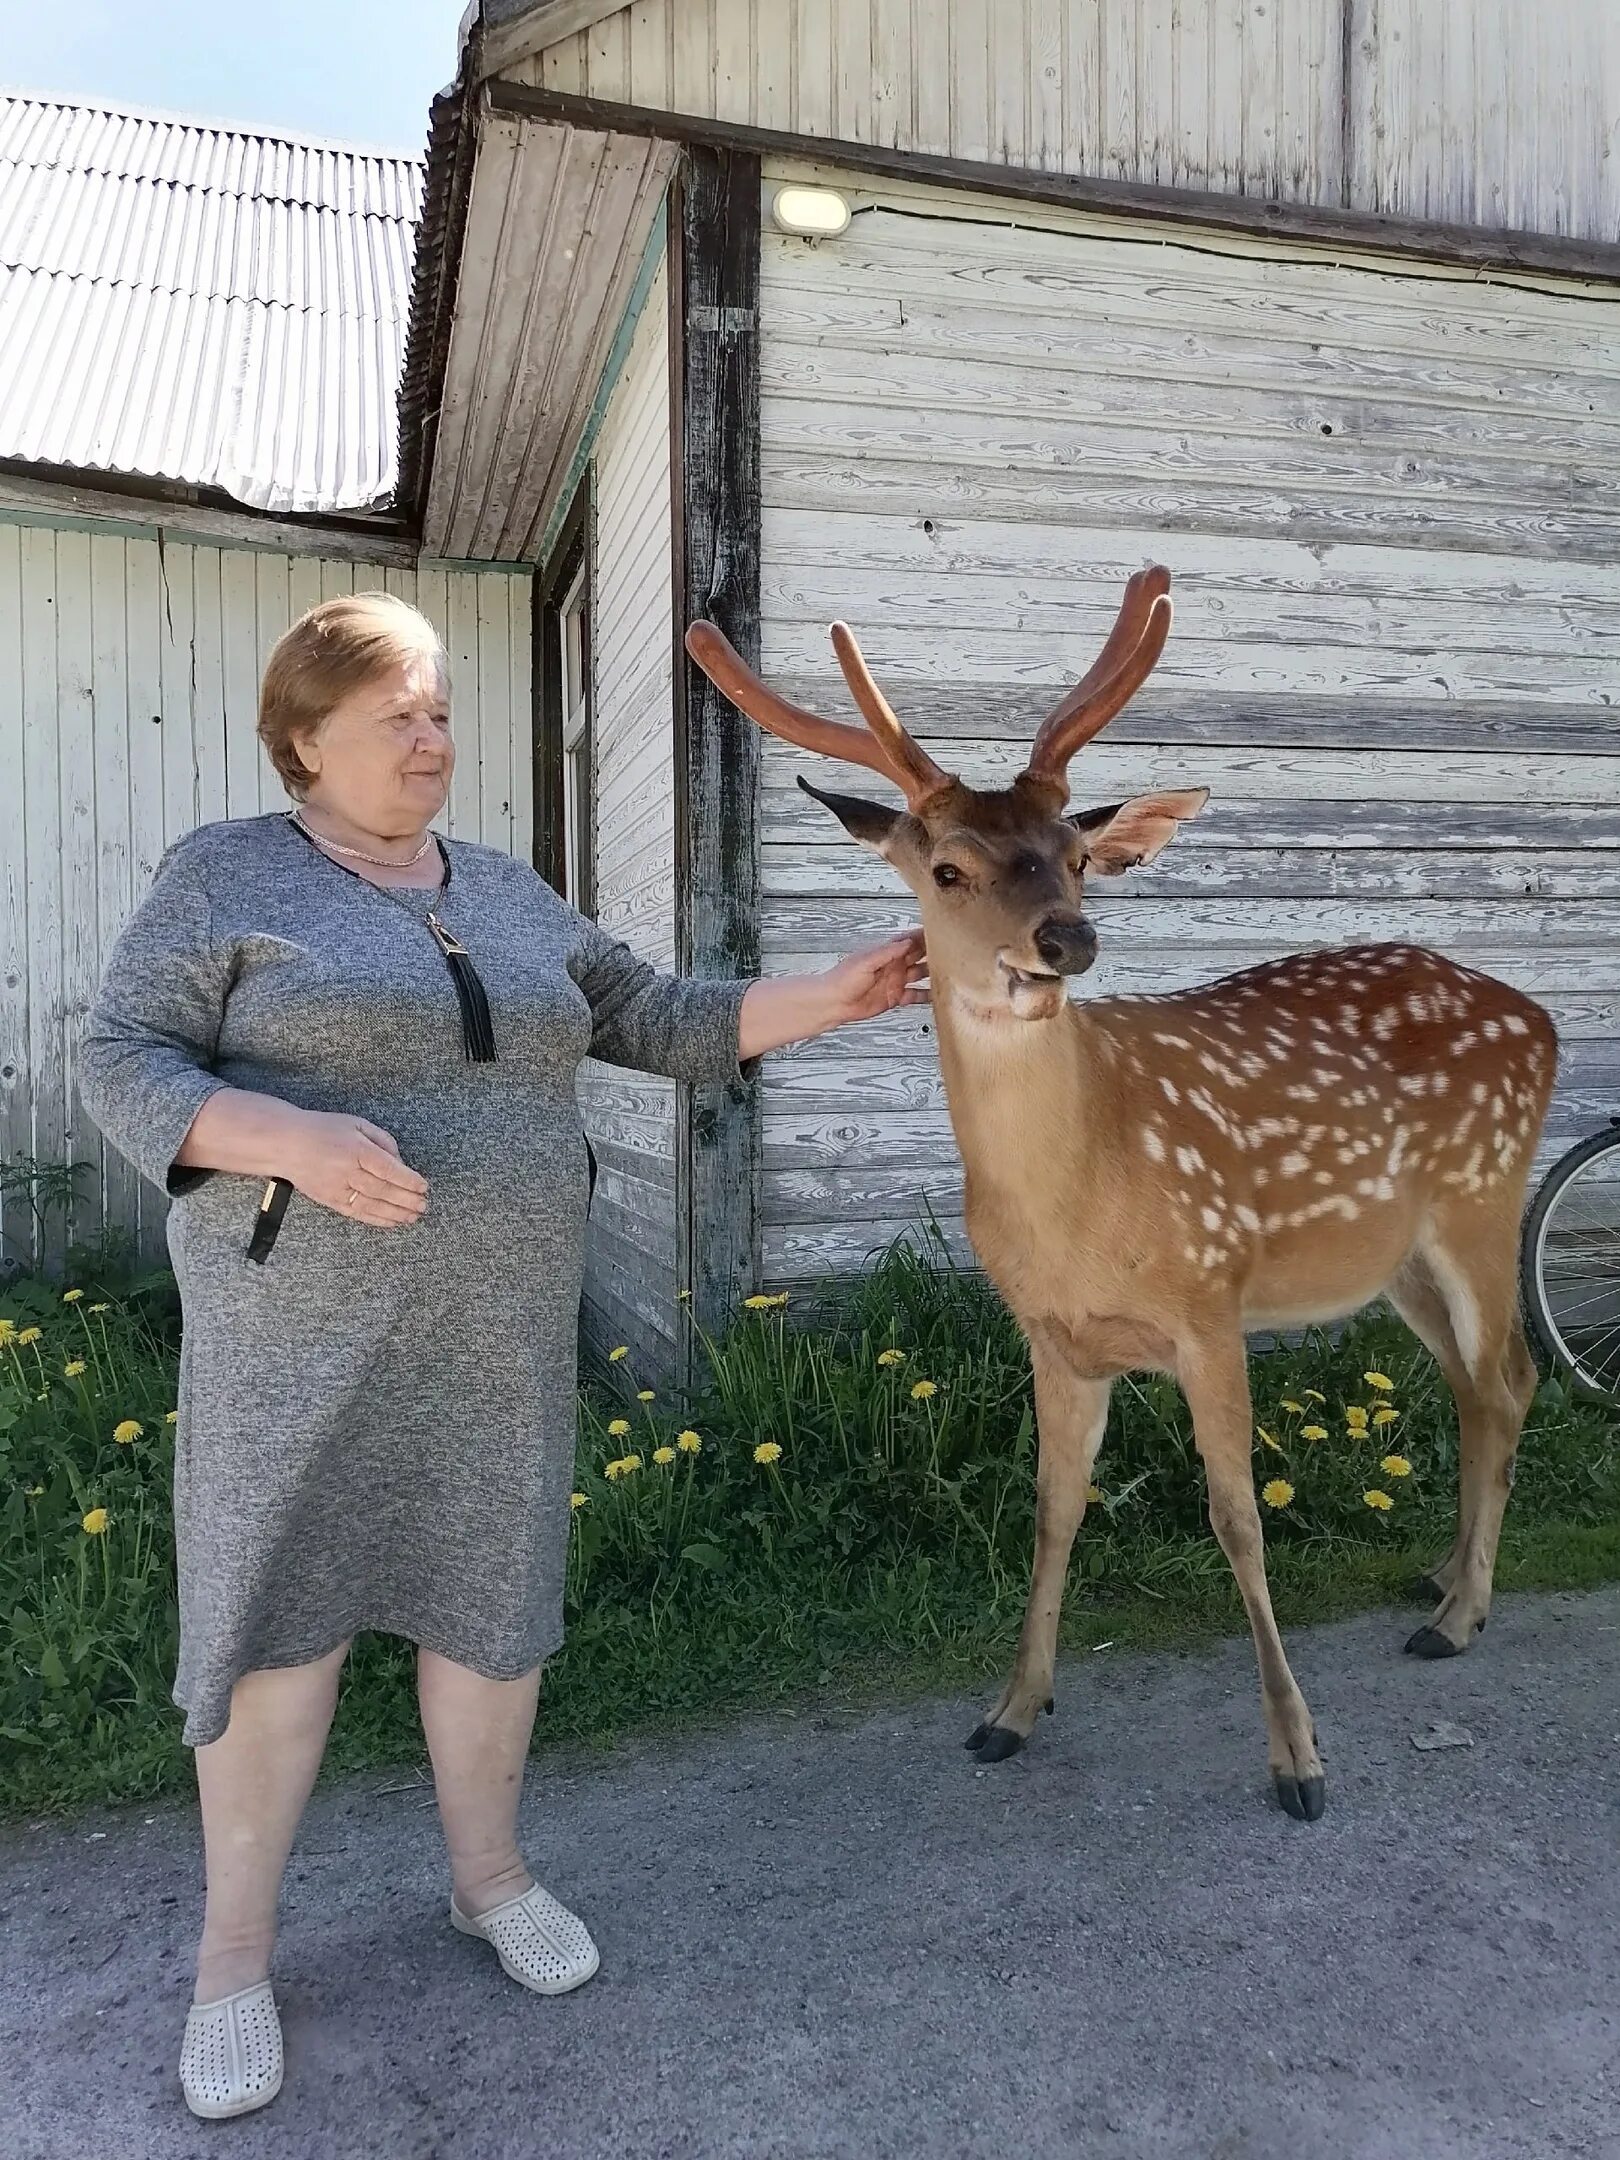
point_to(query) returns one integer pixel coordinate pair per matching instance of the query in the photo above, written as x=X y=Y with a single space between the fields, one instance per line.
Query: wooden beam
x=39 y=499
x=714 y=302
x=1463 y=246
x=545 y=24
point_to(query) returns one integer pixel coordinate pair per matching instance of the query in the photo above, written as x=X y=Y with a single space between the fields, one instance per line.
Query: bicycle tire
x=1544 y=1323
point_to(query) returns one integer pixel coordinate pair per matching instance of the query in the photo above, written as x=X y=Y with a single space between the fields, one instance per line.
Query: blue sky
x=360 y=69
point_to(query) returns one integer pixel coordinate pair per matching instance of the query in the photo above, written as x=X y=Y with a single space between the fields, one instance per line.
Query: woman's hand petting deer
x=1148 y=1177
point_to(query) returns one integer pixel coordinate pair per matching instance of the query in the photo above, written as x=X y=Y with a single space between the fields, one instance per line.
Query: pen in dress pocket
x=272 y=1206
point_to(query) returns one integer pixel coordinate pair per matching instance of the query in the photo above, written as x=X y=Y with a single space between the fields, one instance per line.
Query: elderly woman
x=347 y=1048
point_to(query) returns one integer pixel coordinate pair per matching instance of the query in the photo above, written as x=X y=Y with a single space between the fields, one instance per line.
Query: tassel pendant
x=477 y=1028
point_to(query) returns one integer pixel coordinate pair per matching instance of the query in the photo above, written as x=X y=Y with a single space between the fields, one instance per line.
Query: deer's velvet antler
x=882 y=746
x=1113 y=679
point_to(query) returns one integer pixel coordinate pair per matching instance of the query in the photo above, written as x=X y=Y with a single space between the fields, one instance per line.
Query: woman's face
x=382 y=758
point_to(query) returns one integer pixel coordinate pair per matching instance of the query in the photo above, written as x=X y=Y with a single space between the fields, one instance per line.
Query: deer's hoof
x=1424 y=1590
x=1302 y=1798
x=994 y=1743
x=1428 y=1642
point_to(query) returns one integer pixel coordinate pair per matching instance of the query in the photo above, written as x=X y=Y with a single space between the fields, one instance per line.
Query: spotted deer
x=1147 y=1178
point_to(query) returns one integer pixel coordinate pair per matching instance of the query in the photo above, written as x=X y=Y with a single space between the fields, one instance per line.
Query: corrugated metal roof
x=201 y=304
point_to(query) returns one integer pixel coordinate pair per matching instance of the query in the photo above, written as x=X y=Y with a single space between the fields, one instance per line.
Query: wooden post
x=714 y=347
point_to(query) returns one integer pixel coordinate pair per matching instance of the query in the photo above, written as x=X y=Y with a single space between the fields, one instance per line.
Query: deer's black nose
x=1067 y=944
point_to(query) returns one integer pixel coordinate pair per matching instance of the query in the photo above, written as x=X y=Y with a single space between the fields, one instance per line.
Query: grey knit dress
x=376 y=1426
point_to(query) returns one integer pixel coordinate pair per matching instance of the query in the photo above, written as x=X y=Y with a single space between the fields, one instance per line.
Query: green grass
x=886 y=1550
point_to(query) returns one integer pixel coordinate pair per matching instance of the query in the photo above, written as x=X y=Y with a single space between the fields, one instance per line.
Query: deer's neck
x=1027 y=1097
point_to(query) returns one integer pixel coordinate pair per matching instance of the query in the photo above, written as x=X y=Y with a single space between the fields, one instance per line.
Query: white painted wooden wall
x=1500 y=113
x=129 y=676
x=631 y=1257
x=1391 y=504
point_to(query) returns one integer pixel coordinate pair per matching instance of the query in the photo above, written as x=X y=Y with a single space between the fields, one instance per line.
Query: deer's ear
x=1121 y=835
x=868 y=822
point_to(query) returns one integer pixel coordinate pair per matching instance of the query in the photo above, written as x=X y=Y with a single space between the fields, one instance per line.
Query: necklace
x=378 y=862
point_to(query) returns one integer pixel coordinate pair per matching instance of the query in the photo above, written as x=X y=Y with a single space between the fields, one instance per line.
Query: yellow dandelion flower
x=663 y=1454
x=94 y=1523
x=577 y=1499
x=924 y=1391
x=767 y=1452
x=1384 y=1415
x=684 y=1297
x=1313 y=1432
x=645 y=1395
x=1297 y=1409
x=98 y=1308
x=72 y=1369
x=34 y=1491
x=71 y=1297
x=1311 y=1395
x=1268 y=1439
x=617 y=1357
x=891 y=1357
x=1277 y=1493
x=613 y=1471
x=1379 y=1500
x=1395 y=1466
x=171 y=1417
x=628 y=1463
x=1384 y=1384
x=618 y=1427
x=126 y=1430
x=28 y=1335
x=8 y=1328
x=1094 y=1493
x=1356 y=1420
x=760 y=1303
x=689 y=1443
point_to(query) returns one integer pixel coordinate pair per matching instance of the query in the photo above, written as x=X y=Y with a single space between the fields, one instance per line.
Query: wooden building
x=1318 y=303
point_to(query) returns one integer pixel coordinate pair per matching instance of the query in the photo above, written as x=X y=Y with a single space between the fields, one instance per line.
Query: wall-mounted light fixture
x=810 y=213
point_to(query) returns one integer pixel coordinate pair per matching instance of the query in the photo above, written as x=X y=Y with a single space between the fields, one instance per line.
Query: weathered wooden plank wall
x=1390 y=502
x=630 y=1277
x=1485 y=112
x=129 y=676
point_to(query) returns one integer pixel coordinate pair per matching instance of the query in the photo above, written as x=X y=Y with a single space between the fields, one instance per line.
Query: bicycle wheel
x=1570 y=1263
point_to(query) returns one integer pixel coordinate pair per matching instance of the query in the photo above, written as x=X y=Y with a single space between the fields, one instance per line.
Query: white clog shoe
x=541 y=1944
x=230 y=2059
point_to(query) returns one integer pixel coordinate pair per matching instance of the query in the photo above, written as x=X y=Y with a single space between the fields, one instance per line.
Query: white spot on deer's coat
x=1294 y=1165
x=1152 y=1144
x=1170 y=1089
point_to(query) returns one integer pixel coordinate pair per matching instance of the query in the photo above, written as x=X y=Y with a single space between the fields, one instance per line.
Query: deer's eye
x=946 y=875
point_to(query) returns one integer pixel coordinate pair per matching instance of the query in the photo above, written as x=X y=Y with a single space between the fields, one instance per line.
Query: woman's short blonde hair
x=328 y=652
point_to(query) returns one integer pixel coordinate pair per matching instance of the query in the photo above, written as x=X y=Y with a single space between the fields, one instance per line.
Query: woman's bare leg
x=254 y=1782
x=478 y=1738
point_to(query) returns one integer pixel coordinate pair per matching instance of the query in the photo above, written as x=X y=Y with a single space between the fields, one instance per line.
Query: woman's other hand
x=343 y=1163
x=353 y=1167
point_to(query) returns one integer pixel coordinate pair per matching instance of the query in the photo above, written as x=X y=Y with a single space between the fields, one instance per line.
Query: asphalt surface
x=833 y=1935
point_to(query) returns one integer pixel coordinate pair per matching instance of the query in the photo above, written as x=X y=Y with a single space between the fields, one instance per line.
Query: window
x=573 y=675
x=564 y=752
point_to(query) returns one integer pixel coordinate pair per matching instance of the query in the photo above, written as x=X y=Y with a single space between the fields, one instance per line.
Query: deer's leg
x=1472 y=1265
x=1215 y=1377
x=1070 y=1413
x=1415 y=1295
